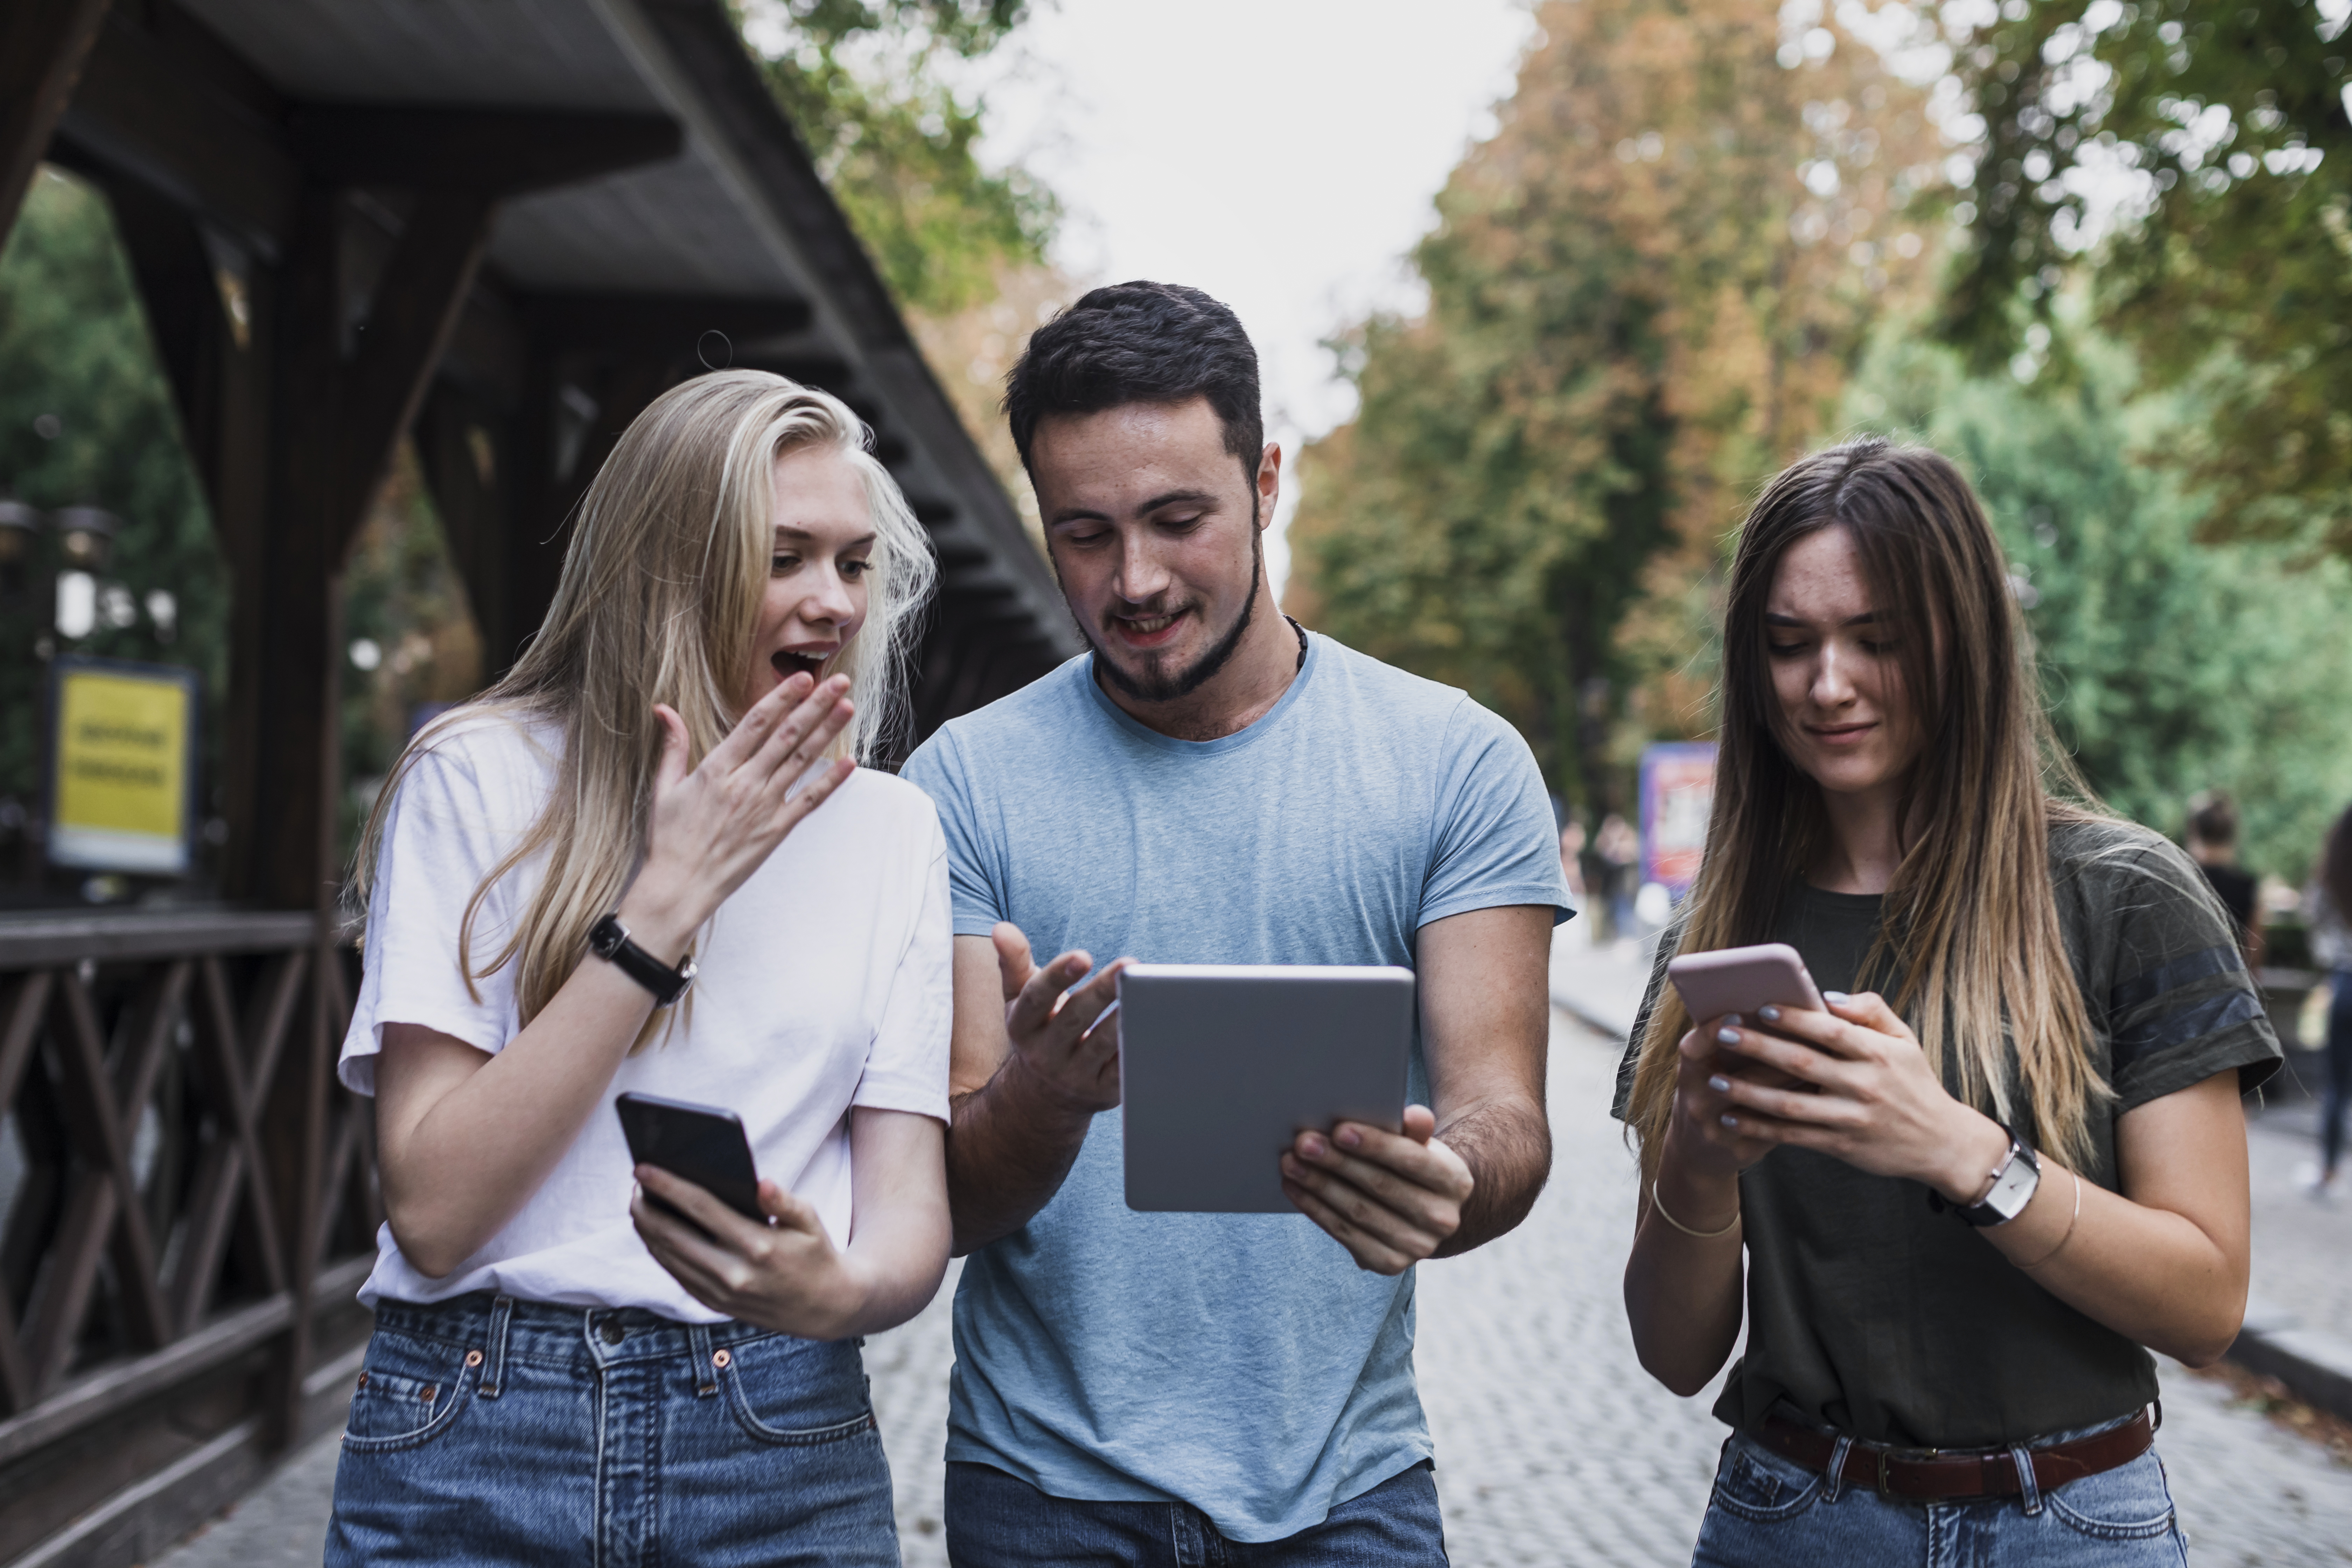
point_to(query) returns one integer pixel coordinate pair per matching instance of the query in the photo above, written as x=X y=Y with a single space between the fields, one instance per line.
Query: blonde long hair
x=659 y=598
x=1971 y=920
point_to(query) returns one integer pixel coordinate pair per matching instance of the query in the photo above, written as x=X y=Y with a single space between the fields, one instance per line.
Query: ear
x=1269 y=483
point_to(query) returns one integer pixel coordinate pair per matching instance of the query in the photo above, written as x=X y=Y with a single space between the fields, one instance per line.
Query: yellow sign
x=124 y=760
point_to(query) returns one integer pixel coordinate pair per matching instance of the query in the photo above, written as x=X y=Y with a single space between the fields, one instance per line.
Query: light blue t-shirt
x=1241 y=1364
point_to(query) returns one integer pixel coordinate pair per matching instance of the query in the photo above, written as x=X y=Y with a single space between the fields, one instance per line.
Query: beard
x=1167 y=687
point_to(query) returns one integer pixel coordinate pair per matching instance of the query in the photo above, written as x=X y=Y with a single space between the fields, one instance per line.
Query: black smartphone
x=698 y=1144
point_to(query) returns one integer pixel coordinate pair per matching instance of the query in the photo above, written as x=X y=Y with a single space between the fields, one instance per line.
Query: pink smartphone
x=1742 y=979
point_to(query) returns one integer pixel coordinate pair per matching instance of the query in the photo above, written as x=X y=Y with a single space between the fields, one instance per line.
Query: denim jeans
x=998 y=1521
x=1770 y=1510
x=491 y=1430
x=2338 y=1093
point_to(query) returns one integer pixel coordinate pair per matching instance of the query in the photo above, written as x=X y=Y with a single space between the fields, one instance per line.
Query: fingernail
x=1350 y=1138
x=1769 y=1013
x=1834 y=997
x=1729 y=1037
x=1315 y=1149
x=1732 y=1018
x=1720 y=1084
x=1730 y=1120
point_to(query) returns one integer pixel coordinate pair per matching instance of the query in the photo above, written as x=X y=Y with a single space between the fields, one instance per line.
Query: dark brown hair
x=1970 y=921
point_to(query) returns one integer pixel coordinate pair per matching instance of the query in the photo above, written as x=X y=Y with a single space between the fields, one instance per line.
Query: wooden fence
x=187 y=1202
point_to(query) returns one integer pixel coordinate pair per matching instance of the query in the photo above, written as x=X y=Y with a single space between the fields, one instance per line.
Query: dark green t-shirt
x=1869 y=1312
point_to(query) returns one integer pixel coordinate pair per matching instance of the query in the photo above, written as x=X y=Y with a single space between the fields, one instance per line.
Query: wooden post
x=43 y=44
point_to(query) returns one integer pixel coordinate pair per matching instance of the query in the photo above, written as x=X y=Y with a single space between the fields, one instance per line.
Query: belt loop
x=2029 y=1485
x=705 y=1372
x=1838 y=1451
x=494 y=1374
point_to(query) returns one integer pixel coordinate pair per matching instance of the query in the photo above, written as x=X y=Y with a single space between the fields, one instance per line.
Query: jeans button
x=611 y=1332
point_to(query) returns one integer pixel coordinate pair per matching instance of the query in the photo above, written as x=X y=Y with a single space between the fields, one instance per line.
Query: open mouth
x=1146 y=631
x=789 y=664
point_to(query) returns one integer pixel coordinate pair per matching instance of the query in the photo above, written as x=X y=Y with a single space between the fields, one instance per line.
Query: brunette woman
x=663 y=791
x=2328 y=908
x=2009 y=1160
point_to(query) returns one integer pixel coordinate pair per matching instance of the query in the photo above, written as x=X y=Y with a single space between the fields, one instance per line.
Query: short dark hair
x=2213 y=818
x=1140 y=342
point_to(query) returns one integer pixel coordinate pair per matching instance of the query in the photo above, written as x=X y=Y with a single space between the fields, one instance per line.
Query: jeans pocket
x=796 y=1392
x=410 y=1391
x=1759 y=1485
x=2130 y=1502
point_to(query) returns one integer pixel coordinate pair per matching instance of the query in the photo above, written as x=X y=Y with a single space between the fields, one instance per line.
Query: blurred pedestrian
x=2213 y=842
x=669 y=769
x=1972 y=1195
x=2327 y=911
x=1571 y=858
x=1620 y=849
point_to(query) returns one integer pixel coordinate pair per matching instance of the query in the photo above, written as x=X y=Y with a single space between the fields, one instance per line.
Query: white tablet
x=1221 y=1065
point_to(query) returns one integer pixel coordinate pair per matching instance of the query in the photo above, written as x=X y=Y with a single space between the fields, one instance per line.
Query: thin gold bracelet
x=2070 y=1227
x=1659 y=1205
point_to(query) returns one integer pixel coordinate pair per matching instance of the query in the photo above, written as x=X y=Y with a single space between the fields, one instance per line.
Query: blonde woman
x=2008 y=1159
x=560 y=1371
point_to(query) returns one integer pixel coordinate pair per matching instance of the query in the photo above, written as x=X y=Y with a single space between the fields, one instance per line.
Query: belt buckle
x=1887 y=1455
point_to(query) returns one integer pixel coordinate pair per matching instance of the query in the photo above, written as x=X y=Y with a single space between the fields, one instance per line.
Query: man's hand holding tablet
x=1390 y=1198
x=1304 y=1067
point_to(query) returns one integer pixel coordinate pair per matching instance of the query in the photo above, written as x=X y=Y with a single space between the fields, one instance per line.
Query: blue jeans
x=2338 y=1093
x=998 y=1521
x=1767 y=1510
x=491 y=1430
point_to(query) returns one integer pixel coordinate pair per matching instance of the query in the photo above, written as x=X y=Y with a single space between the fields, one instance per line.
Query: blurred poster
x=123 y=766
x=1678 y=793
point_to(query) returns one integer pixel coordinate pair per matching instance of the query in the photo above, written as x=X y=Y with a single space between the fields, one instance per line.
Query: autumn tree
x=1644 y=293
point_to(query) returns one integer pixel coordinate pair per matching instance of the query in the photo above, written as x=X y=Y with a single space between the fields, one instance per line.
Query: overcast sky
x=1281 y=155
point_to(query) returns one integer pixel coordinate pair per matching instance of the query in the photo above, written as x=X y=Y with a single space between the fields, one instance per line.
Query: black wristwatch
x=608 y=939
x=2013 y=1186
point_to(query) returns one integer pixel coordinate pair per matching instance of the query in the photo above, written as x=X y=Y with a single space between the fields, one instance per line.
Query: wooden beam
x=408 y=325
x=42 y=44
x=642 y=324
x=149 y=107
x=285 y=709
x=498 y=151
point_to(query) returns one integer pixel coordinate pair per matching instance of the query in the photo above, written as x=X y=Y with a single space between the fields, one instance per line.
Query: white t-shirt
x=824 y=984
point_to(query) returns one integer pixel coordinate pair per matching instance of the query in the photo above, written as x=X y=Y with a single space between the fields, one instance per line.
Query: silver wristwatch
x=2013 y=1186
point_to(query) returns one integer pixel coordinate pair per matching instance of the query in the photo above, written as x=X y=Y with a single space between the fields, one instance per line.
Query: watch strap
x=609 y=940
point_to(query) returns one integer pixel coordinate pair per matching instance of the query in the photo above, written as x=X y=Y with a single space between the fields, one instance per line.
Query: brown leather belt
x=1931 y=1475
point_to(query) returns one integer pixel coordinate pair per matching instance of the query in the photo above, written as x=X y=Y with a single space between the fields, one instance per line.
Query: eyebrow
x=786 y=531
x=1868 y=617
x=1168 y=497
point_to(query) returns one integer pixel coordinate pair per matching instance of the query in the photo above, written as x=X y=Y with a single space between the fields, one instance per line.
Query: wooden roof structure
x=502 y=227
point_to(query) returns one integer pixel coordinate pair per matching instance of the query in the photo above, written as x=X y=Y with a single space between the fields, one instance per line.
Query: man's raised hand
x=1053 y=1036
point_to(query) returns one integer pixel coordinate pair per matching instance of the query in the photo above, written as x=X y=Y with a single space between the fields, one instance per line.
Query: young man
x=1212 y=784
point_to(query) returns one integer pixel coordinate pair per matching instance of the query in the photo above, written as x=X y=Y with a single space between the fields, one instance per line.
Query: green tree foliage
x=2170 y=665
x=86 y=419
x=2229 y=119
x=1645 y=291
x=866 y=83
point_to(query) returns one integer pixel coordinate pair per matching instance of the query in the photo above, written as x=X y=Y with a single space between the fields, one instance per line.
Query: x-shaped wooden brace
x=350 y=1155
x=102 y=1214
x=231 y=1166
